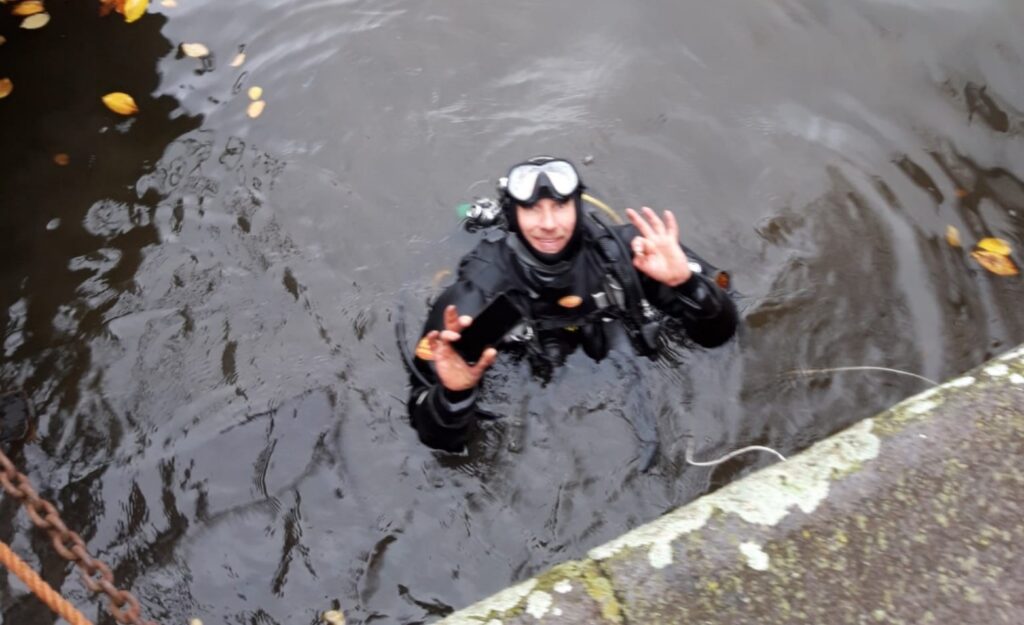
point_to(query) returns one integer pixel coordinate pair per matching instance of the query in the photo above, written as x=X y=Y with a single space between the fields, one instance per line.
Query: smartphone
x=488 y=328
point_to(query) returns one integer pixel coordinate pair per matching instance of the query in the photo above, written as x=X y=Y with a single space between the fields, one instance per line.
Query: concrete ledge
x=913 y=516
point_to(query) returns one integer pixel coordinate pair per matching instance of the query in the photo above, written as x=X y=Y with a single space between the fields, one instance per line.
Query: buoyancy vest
x=492 y=269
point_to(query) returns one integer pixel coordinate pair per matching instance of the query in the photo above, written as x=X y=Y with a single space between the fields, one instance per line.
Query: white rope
x=864 y=368
x=730 y=455
x=733 y=454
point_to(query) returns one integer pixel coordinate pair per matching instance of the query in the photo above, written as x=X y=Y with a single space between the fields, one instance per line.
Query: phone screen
x=488 y=328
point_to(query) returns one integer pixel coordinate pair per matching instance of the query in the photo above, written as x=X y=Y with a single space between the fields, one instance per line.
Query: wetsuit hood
x=540 y=274
x=544 y=187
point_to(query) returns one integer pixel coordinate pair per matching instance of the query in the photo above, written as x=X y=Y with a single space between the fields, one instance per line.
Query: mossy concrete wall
x=913 y=516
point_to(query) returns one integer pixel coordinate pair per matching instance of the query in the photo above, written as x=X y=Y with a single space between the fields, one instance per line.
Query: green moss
x=595 y=584
x=912 y=516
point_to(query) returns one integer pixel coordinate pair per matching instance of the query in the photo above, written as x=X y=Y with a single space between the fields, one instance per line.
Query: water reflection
x=73 y=241
x=208 y=331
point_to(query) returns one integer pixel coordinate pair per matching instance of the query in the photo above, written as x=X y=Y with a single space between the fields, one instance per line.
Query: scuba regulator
x=482 y=212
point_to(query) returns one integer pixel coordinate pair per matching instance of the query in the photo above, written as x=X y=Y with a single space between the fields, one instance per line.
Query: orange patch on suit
x=423 y=351
x=570 y=301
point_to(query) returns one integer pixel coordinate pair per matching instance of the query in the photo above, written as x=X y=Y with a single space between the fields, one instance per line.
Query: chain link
x=123 y=606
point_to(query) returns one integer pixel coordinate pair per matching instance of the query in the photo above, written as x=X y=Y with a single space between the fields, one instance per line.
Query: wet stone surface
x=201 y=306
x=914 y=516
x=573 y=592
x=928 y=532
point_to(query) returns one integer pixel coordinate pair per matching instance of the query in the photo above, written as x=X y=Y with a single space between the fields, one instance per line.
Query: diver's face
x=548 y=224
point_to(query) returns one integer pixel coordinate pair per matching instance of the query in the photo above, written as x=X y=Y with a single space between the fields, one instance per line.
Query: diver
x=560 y=276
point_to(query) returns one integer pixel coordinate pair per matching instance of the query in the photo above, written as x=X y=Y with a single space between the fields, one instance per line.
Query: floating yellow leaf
x=996 y=246
x=28 y=7
x=238 y=60
x=61 y=159
x=423 y=351
x=996 y=263
x=195 y=50
x=952 y=236
x=6 y=87
x=38 y=20
x=255 y=93
x=170 y=4
x=256 y=108
x=120 y=103
x=134 y=9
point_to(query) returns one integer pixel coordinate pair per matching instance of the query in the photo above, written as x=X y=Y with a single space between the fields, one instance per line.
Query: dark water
x=207 y=331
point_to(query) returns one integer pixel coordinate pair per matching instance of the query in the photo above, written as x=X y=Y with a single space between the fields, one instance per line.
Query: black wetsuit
x=613 y=295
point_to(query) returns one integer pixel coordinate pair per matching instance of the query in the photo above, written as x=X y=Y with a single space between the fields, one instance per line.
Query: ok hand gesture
x=656 y=252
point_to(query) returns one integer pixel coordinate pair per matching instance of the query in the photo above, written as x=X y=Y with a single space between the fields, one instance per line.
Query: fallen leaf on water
x=996 y=263
x=38 y=20
x=170 y=4
x=423 y=351
x=6 y=87
x=952 y=236
x=256 y=108
x=28 y=7
x=120 y=103
x=238 y=60
x=994 y=245
x=255 y=93
x=61 y=159
x=334 y=617
x=134 y=9
x=195 y=50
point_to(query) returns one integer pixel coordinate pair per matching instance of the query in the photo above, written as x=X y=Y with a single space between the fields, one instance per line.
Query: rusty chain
x=96 y=575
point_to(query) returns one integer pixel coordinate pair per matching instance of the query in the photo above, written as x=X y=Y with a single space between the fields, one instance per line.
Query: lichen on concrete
x=913 y=516
x=494 y=606
x=928 y=531
x=547 y=597
x=764 y=498
x=593 y=581
x=918 y=408
x=538 y=603
x=757 y=559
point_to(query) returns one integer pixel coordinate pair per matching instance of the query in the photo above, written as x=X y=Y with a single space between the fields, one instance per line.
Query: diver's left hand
x=656 y=252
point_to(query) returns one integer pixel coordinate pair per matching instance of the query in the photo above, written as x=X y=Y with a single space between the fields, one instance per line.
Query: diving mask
x=525 y=182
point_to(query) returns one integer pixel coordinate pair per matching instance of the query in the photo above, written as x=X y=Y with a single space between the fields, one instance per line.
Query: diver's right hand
x=452 y=371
